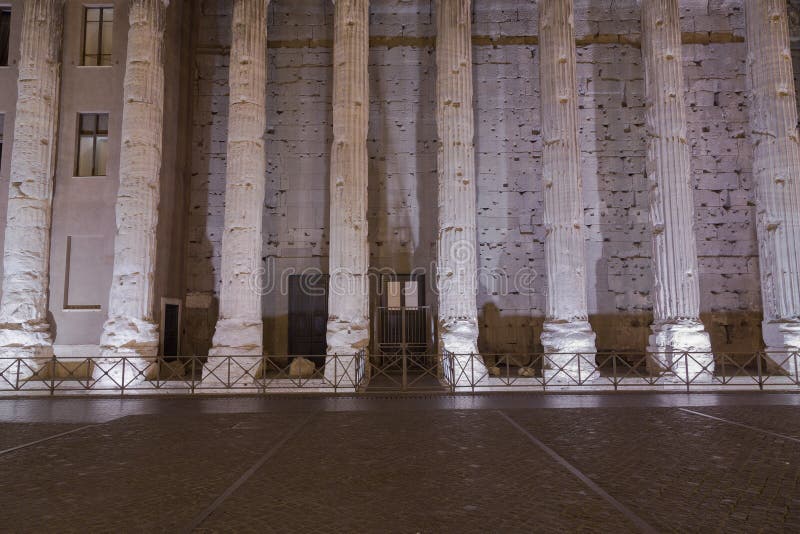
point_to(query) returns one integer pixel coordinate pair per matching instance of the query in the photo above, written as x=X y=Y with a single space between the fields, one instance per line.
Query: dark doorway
x=172 y=324
x=308 y=316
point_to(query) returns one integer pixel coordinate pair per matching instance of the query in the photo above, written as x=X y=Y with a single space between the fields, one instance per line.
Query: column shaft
x=566 y=328
x=457 y=253
x=776 y=168
x=348 y=299
x=676 y=293
x=239 y=329
x=131 y=329
x=24 y=328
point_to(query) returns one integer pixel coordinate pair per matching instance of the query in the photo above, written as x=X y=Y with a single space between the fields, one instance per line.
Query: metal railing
x=614 y=371
x=445 y=372
x=406 y=372
x=128 y=375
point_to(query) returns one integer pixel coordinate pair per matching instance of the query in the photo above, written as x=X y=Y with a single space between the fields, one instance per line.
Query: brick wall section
x=402 y=149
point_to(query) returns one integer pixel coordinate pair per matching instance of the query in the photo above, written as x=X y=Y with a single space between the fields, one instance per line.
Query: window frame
x=99 y=55
x=6 y=8
x=94 y=133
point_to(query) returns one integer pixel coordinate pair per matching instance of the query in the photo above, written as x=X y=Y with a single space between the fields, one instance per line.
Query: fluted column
x=457 y=263
x=348 y=299
x=131 y=329
x=776 y=167
x=239 y=329
x=24 y=328
x=676 y=294
x=566 y=329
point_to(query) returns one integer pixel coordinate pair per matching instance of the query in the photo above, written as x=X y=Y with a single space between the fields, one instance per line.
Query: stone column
x=24 y=328
x=239 y=329
x=676 y=294
x=776 y=169
x=131 y=329
x=348 y=298
x=566 y=329
x=457 y=265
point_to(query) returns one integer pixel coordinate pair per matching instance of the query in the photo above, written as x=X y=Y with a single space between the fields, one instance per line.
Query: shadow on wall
x=616 y=193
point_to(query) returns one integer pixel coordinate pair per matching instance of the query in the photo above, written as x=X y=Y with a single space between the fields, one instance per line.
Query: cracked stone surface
x=566 y=328
x=776 y=169
x=239 y=329
x=348 y=297
x=131 y=329
x=676 y=287
x=24 y=327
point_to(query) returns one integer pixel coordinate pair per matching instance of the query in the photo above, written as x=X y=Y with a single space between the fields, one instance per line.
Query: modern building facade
x=248 y=177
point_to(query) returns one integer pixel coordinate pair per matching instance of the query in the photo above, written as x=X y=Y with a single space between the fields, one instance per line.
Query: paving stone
x=461 y=471
x=140 y=473
x=678 y=471
x=16 y=434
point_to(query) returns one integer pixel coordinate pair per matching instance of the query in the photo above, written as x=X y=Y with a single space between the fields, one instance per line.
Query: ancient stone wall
x=402 y=151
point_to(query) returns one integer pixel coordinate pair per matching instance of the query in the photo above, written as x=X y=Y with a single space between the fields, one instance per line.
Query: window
x=5 y=29
x=92 y=144
x=98 y=28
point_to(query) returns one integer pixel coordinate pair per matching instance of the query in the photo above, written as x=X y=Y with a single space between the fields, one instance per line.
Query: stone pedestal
x=24 y=327
x=679 y=338
x=567 y=336
x=776 y=168
x=239 y=330
x=131 y=329
x=457 y=260
x=348 y=296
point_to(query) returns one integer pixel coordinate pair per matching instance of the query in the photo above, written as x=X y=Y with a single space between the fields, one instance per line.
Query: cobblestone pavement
x=679 y=471
x=16 y=434
x=403 y=465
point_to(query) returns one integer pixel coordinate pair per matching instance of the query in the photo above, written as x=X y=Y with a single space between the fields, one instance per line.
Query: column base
x=460 y=338
x=117 y=369
x=236 y=337
x=783 y=346
x=128 y=353
x=347 y=336
x=681 y=349
x=24 y=349
x=227 y=373
x=570 y=352
x=342 y=371
x=242 y=339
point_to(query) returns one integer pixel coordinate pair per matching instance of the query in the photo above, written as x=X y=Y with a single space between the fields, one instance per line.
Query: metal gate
x=404 y=358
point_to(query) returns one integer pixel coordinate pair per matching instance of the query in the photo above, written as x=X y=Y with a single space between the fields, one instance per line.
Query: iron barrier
x=362 y=372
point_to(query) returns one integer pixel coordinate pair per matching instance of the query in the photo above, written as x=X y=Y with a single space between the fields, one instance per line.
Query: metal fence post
x=614 y=370
x=758 y=366
x=53 y=375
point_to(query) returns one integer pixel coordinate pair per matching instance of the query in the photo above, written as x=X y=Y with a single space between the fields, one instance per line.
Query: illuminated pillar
x=457 y=263
x=239 y=330
x=131 y=329
x=776 y=167
x=348 y=304
x=566 y=329
x=24 y=328
x=676 y=294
